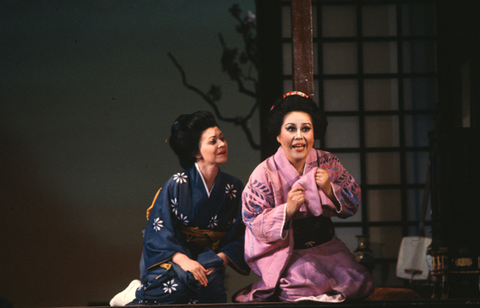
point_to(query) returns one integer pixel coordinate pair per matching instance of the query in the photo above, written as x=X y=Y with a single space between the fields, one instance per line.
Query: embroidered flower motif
x=183 y=219
x=174 y=205
x=193 y=301
x=157 y=224
x=213 y=222
x=230 y=191
x=180 y=177
x=169 y=286
x=251 y=17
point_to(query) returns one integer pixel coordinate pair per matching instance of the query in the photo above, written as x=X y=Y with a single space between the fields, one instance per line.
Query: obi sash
x=312 y=231
x=202 y=237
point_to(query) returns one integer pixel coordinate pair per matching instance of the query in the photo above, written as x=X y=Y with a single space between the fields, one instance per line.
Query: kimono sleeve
x=161 y=234
x=346 y=189
x=232 y=244
x=264 y=220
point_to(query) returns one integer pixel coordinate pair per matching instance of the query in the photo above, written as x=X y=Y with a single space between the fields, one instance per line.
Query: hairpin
x=295 y=93
x=290 y=94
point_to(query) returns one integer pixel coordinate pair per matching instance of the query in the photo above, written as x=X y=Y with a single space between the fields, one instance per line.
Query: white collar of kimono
x=203 y=180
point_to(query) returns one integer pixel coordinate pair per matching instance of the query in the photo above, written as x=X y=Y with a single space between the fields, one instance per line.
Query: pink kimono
x=327 y=272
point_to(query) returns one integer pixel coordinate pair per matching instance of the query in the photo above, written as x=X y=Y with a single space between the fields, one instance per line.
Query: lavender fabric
x=327 y=272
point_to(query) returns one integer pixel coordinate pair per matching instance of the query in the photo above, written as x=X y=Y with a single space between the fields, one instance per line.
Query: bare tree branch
x=231 y=66
x=242 y=121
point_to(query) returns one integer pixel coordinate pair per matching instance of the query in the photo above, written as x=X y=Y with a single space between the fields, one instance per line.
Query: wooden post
x=302 y=46
x=270 y=66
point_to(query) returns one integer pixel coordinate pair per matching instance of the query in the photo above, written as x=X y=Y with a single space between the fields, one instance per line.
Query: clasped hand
x=323 y=182
x=296 y=197
x=198 y=271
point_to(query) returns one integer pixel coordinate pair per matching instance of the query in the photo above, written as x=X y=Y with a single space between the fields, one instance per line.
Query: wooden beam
x=270 y=66
x=302 y=46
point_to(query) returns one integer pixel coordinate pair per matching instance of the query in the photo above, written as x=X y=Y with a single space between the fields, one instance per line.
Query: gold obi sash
x=202 y=237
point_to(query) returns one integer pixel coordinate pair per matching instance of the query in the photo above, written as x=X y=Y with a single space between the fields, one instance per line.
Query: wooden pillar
x=302 y=46
x=270 y=68
x=269 y=38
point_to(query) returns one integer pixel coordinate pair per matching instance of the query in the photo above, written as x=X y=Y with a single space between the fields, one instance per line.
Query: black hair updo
x=300 y=103
x=185 y=135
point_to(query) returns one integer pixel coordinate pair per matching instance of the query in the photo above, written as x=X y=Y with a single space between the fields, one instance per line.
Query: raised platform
x=467 y=303
x=381 y=297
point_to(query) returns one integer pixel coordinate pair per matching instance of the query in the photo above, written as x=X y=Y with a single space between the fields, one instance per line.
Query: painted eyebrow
x=215 y=136
x=306 y=123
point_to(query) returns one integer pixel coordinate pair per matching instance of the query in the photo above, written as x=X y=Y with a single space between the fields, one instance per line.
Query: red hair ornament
x=290 y=94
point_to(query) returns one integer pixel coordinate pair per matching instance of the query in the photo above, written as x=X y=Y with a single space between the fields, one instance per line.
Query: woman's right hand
x=187 y=264
x=295 y=199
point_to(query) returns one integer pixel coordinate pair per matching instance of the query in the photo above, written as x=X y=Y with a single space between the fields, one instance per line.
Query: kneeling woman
x=287 y=204
x=195 y=225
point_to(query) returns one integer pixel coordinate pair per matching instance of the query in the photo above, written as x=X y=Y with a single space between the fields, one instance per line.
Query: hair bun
x=185 y=134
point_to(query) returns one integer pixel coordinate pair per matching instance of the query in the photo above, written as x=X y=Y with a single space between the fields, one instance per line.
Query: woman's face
x=213 y=148
x=296 y=137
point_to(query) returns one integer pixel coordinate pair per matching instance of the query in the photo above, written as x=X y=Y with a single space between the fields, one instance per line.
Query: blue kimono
x=186 y=218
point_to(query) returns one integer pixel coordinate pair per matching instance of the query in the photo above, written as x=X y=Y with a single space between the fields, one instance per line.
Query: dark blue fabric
x=175 y=286
x=184 y=200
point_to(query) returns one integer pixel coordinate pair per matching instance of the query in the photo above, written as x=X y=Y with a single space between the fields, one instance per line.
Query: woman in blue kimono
x=194 y=227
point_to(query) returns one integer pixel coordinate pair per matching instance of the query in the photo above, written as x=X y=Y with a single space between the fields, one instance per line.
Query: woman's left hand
x=323 y=182
x=223 y=256
x=225 y=261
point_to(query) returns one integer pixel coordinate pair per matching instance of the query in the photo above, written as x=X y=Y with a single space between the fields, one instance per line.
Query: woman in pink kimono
x=287 y=204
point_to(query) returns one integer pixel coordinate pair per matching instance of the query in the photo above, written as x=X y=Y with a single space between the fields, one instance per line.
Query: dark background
x=87 y=98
